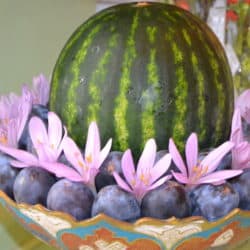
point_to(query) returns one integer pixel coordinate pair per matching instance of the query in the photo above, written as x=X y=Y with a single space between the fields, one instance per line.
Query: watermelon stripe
x=147 y=118
x=70 y=110
x=218 y=131
x=148 y=126
x=180 y=93
x=99 y=76
x=201 y=100
x=221 y=98
x=121 y=102
x=151 y=30
x=72 y=40
x=169 y=16
x=187 y=37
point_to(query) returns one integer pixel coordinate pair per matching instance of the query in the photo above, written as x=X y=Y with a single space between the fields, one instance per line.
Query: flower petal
x=18 y=164
x=128 y=167
x=73 y=154
x=176 y=157
x=215 y=156
x=24 y=111
x=160 y=182
x=241 y=156
x=160 y=168
x=121 y=183
x=61 y=170
x=12 y=133
x=191 y=151
x=236 y=129
x=104 y=152
x=60 y=147
x=243 y=103
x=55 y=130
x=180 y=177
x=93 y=146
x=39 y=136
x=147 y=158
x=219 y=175
x=20 y=155
x=41 y=89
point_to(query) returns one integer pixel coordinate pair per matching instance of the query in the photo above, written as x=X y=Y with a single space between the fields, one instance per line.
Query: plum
x=32 y=185
x=167 y=200
x=117 y=203
x=213 y=201
x=74 y=198
x=7 y=175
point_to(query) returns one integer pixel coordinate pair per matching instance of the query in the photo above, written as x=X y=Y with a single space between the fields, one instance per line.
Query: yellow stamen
x=3 y=139
x=144 y=179
x=199 y=171
x=133 y=182
x=88 y=158
x=81 y=164
x=38 y=141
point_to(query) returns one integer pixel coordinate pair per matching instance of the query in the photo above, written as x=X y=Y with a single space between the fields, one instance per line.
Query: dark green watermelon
x=143 y=70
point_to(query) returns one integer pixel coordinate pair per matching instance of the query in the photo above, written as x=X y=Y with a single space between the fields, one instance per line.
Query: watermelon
x=144 y=70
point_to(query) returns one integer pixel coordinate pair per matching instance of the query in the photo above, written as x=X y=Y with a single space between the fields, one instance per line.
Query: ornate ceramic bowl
x=102 y=232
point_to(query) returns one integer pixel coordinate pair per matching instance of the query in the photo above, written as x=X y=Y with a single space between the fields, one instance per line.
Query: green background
x=32 y=33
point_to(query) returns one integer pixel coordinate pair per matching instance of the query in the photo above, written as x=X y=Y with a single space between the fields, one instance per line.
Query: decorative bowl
x=102 y=232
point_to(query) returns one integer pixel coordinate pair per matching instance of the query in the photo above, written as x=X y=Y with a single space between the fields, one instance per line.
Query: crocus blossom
x=194 y=172
x=243 y=104
x=40 y=91
x=8 y=107
x=147 y=175
x=241 y=149
x=14 y=112
x=88 y=166
x=48 y=147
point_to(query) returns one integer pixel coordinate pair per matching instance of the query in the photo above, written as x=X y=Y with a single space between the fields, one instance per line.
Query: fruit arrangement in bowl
x=106 y=155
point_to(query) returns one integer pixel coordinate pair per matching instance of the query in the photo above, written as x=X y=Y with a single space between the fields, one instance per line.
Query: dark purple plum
x=170 y=199
x=32 y=185
x=105 y=176
x=213 y=201
x=241 y=184
x=25 y=142
x=7 y=175
x=117 y=203
x=74 y=198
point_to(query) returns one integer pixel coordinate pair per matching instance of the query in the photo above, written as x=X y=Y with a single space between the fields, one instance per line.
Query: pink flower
x=41 y=89
x=195 y=172
x=87 y=167
x=14 y=112
x=243 y=104
x=147 y=175
x=48 y=147
x=8 y=107
x=241 y=149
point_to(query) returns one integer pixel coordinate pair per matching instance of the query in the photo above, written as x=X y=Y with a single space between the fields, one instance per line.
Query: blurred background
x=33 y=34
